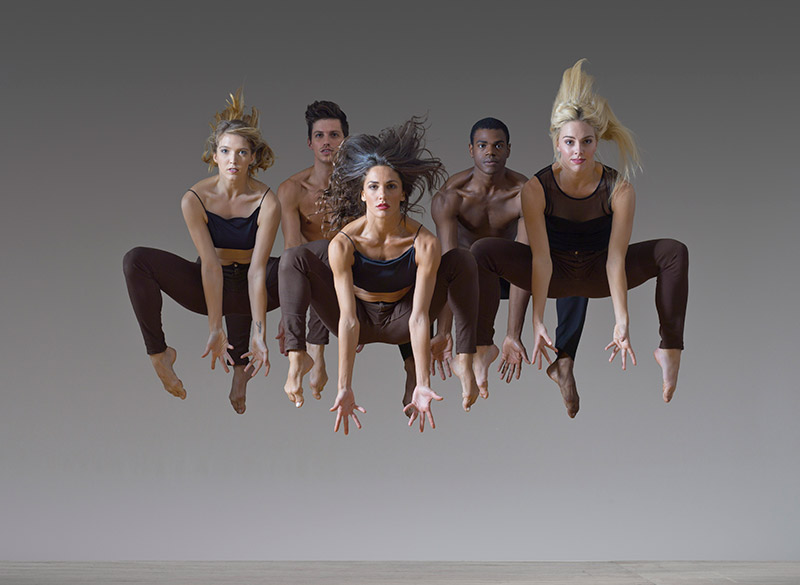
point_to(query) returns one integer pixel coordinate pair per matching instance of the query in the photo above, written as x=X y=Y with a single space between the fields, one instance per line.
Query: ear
x=309 y=142
x=470 y=150
x=363 y=195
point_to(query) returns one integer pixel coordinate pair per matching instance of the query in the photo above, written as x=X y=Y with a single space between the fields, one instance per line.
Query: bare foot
x=463 y=366
x=239 y=388
x=484 y=357
x=670 y=362
x=162 y=363
x=560 y=371
x=299 y=365
x=411 y=382
x=318 y=376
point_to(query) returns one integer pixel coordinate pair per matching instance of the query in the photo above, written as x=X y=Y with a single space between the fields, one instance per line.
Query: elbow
x=348 y=325
x=418 y=322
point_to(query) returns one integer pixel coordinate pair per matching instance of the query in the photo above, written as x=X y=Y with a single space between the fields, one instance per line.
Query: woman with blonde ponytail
x=232 y=218
x=578 y=217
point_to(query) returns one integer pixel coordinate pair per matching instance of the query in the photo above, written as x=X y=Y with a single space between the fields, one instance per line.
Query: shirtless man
x=327 y=129
x=481 y=202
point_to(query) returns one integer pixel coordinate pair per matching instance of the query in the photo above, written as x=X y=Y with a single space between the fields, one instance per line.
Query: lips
x=382 y=206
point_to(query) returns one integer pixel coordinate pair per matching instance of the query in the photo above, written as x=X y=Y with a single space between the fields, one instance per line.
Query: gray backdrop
x=105 y=113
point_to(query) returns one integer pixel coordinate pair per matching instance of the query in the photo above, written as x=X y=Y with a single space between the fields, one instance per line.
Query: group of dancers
x=356 y=264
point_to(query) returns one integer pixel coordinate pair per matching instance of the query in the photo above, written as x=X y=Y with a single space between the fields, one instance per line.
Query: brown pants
x=306 y=279
x=584 y=274
x=149 y=272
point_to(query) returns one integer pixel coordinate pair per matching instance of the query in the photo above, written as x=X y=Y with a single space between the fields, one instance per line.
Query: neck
x=379 y=228
x=487 y=182
x=232 y=186
x=321 y=173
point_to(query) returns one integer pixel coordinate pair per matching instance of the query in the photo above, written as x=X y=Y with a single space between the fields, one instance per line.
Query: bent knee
x=133 y=258
x=675 y=250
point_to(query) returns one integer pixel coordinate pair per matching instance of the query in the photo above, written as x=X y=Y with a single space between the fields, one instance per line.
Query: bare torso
x=478 y=210
x=299 y=195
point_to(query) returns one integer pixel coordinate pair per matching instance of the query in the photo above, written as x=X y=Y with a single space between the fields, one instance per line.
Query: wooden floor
x=396 y=573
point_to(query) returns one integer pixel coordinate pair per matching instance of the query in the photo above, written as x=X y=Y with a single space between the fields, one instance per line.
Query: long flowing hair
x=576 y=100
x=401 y=148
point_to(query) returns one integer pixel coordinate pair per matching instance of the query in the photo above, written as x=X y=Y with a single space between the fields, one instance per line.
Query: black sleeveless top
x=384 y=276
x=577 y=224
x=235 y=233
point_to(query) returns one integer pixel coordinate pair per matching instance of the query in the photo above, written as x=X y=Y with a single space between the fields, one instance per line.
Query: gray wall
x=105 y=114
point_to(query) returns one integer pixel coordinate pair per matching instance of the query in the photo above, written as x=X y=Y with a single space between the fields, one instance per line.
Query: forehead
x=327 y=125
x=233 y=141
x=381 y=174
x=488 y=135
x=577 y=129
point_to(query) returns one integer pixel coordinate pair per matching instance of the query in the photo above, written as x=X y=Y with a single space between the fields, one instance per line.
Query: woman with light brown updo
x=232 y=219
x=578 y=217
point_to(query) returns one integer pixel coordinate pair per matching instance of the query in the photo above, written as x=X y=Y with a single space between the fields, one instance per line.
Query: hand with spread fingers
x=622 y=345
x=442 y=354
x=259 y=356
x=542 y=342
x=345 y=407
x=218 y=347
x=512 y=357
x=420 y=406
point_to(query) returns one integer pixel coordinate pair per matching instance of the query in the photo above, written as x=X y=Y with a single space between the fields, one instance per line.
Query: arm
x=444 y=210
x=428 y=255
x=623 y=205
x=290 y=215
x=514 y=352
x=211 y=272
x=533 y=204
x=340 y=255
x=268 y=219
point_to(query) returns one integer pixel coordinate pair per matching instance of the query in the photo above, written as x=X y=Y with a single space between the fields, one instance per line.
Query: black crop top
x=384 y=276
x=235 y=233
x=577 y=224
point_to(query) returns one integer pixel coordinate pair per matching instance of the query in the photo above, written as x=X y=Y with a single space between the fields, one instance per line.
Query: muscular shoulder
x=292 y=188
x=340 y=252
x=516 y=178
x=427 y=245
x=447 y=201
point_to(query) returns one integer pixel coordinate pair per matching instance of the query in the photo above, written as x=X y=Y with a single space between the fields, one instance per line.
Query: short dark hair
x=324 y=110
x=488 y=124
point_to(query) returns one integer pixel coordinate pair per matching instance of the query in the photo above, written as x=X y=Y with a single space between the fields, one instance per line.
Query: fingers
x=633 y=355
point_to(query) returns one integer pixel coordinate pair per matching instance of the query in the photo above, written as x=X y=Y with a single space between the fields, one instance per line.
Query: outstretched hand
x=622 y=345
x=259 y=356
x=541 y=342
x=420 y=406
x=345 y=407
x=512 y=356
x=441 y=354
x=218 y=347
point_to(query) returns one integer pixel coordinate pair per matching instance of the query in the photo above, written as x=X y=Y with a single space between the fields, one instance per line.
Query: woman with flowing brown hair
x=385 y=277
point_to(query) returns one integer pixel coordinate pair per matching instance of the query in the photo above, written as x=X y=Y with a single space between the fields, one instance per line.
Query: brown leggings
x=149 y=272
x=306 y=279
x=584 y=274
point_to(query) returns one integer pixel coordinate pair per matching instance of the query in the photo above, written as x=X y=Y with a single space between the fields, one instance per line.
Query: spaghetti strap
x=200 y=200
x=344 y=233
x=415 y=235
x=262 y=197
